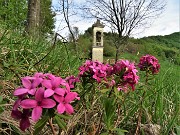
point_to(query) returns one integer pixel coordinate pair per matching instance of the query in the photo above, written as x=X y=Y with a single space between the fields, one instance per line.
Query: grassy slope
x=162 y=101
x=172 y=40
x=20 y=56
x=164 y=47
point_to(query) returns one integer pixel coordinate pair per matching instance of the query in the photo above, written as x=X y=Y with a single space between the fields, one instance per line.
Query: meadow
x=96 y=112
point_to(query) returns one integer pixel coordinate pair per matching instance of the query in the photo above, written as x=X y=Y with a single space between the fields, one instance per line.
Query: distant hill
x=164 y=47
x=172 y=40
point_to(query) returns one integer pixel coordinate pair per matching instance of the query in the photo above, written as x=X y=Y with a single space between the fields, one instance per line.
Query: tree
x=89 y=32
x=68 y=11
x=40 y=18
x=65 y=9
x=46 y=17
x=33 y=18
x=124 y=16
x=75 y=32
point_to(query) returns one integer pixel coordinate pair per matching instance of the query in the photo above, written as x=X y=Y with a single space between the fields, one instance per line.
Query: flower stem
x=110 y=93
x=52 y=127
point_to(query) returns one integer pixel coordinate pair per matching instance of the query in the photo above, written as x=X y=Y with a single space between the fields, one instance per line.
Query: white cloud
x=167 y=23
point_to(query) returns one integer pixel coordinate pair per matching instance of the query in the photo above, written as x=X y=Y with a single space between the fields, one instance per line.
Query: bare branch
x=124 y=16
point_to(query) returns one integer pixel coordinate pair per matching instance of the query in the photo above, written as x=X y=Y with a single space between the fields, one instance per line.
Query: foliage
x=20 y=56
x=164 y=47
x=46 y=17
x=13 y=14
x=102 y=108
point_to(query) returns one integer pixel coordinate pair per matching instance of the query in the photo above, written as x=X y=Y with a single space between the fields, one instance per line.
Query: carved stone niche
x=98 y=38
x=97 y=48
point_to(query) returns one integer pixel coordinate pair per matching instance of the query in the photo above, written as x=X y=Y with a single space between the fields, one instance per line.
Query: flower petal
x=16 y=114
x=20 y=91
x=26 y=113
x=26 y=83
x=47 y=84
x=24 y=123
x=69 y=109
x=28 y=103
x=36 y=82
x=39 y=96
x=70 y=97
x=67 y=87
x=38 y=75
x=16 y=104
x=32 y=91
x=60 y=91
x=36 y=113
x=56 y=82
x=48 y=93
x=63 y=82
x=58 y=98
x=47 y=103
x=49 y=76
x=61 y=108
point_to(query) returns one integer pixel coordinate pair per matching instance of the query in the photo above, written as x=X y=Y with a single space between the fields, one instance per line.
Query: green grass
x=20 y=56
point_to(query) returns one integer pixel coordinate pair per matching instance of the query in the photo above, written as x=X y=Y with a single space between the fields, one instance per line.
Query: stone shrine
x=97 y=48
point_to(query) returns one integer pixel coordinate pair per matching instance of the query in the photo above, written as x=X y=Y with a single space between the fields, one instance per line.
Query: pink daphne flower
x=37 y=104
x=38 y=93
x=94 y=70
x=52 y=86
x=127 y=73
x=29 y=86
x=99 y=70
x=64 y=102
x=85 y=70
x=23 y=117
x=149 y=63
x=72 y=81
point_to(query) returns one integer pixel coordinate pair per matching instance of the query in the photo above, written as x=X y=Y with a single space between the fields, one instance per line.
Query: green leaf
x=120 y=131
x=1 y=110
x=175 y=116
x=16 y=130
x=109 y=115
x=105 y=133
x=117 y=94
x=51 y=113
x=40 y=124
x=178 y=129
x=5 y=64
x=67 y=117
x=1 y=99
x=104 y=90
x=60 y=122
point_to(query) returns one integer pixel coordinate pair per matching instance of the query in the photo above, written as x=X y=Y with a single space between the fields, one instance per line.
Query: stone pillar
x=97 y=48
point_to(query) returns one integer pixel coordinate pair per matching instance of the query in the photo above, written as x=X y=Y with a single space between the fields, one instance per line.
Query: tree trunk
x=33 y=18
x=117 y=53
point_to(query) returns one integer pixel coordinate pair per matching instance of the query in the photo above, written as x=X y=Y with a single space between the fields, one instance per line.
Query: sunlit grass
x=20 y=56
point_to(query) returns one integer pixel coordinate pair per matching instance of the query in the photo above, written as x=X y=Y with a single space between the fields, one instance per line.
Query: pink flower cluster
x=42 y=91
x=93 y=69
x=149 y=63
x=72 y=80
x=126 y=73
x=47 y=91
x=123 y=70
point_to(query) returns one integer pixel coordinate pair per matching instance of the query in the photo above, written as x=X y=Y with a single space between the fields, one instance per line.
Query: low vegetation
x=120 y=113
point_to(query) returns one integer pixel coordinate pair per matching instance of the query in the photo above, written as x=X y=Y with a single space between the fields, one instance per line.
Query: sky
x=167 y=23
